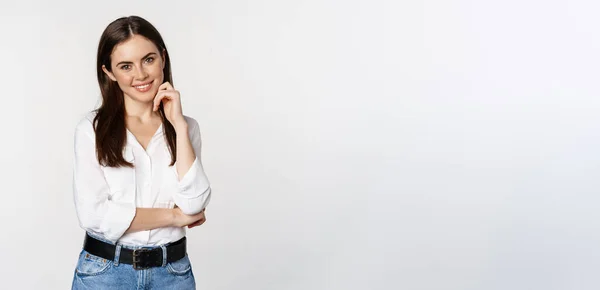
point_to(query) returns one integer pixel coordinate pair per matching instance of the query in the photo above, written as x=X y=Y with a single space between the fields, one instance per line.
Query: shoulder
x=85 y=124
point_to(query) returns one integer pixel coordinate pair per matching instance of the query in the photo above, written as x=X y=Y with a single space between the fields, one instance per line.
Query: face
x=137 y=66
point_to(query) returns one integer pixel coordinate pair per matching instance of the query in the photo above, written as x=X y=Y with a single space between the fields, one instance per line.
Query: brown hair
x=109 y=123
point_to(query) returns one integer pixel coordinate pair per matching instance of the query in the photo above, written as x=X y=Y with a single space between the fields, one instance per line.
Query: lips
x=143 y=87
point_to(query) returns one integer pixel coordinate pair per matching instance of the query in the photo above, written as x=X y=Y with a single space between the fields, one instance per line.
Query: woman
x=138 y=178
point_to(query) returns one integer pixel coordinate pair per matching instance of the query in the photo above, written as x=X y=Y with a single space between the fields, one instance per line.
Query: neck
x=140 y=111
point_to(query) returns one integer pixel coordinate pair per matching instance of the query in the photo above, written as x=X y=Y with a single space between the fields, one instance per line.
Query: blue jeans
x=93 y=272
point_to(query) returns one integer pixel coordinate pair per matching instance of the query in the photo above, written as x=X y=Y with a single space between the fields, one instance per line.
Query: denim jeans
x=93 y=272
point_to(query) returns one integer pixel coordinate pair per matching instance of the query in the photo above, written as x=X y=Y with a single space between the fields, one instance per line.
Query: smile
x=144 y=87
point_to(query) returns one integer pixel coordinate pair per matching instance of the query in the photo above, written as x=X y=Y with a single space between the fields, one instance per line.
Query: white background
x=350 y=144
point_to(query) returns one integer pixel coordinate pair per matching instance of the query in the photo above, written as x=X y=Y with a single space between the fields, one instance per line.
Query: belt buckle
x=137 y=259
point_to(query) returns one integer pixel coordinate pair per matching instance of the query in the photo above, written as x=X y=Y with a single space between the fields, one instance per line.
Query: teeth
x=143 y=87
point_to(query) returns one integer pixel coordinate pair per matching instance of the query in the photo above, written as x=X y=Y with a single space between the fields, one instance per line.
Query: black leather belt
x=139 y=258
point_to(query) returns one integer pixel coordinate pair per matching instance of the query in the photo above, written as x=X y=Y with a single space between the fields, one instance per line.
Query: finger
x=193 y=224
x=197 y=223
x=169 y=86
x=169 y=95
x=165 y=86
x=200 y=219
x=157 y=101
x=162 y=87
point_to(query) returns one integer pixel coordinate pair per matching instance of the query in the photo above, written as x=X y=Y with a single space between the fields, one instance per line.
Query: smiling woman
x=136 y=71
x=138 y=178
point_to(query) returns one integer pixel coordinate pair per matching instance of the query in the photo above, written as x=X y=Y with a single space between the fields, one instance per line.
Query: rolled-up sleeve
x=95 y=209
x=193 y=189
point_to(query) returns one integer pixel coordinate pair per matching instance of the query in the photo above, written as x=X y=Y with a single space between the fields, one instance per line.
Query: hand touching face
x=171 y=101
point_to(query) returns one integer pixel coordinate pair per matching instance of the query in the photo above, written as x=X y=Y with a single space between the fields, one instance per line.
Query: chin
x=141 y=97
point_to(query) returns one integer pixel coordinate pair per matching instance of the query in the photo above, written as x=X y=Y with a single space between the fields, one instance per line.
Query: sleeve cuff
x=194 y=181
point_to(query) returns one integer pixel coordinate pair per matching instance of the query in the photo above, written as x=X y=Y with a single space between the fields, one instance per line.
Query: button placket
x=148 y=183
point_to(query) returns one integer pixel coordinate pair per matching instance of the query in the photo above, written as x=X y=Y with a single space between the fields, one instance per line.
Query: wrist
x=180 y=125
x=173 y=217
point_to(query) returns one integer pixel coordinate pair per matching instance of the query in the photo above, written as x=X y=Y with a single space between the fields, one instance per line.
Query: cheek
x=157 y=72
x=123 y=80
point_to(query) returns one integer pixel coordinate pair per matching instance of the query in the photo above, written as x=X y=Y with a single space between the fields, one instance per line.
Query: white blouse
x=106 y=198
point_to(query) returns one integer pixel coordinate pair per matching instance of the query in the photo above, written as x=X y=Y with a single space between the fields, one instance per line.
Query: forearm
x=185 y=151
x=151 y=218
x=193 y=187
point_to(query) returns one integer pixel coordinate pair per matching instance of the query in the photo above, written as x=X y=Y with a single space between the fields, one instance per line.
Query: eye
x=150 y=60
x=126 y=67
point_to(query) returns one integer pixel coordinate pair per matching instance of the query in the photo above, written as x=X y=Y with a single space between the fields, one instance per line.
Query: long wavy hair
x=109 y=123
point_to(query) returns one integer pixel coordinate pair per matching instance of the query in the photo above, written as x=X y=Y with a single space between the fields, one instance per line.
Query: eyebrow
x=129 y=62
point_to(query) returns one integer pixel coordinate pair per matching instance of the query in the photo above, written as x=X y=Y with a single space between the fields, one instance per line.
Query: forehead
x=133 y=49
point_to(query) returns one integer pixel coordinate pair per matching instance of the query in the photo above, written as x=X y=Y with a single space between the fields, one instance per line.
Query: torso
x=150 y=183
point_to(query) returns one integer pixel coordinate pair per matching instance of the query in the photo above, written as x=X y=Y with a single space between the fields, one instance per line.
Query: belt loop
x=117 y=254
x=164 y=252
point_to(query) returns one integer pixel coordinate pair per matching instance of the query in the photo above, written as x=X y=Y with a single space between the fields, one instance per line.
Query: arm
x=194 y=190
x=185 y=151
x=151 y=218
x=95 y=209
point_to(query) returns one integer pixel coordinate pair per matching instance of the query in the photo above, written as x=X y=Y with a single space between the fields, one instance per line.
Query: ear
x=109 y=74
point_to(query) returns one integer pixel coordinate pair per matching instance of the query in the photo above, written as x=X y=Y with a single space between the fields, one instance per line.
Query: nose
x=141 y=74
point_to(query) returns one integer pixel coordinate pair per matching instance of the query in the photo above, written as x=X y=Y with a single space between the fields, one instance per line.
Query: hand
x=198 y=222
x=171 y=101
x=181 y=220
